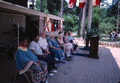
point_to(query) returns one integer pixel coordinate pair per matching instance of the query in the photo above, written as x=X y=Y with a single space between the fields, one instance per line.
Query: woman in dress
x=68 y=47
x=26 y=59
x=54 y=47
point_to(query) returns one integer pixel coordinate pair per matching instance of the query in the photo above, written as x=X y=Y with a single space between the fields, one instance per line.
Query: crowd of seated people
x=66 y=46
x=42 y=55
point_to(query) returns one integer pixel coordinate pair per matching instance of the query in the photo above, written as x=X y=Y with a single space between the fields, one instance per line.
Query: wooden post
x=83 y=22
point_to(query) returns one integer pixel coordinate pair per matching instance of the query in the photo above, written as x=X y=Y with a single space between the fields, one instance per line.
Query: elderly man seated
x=36 y=49
x=70 y=38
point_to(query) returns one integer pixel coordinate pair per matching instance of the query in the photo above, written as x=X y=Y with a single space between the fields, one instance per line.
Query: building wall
x=41 y=24
x=6 y=25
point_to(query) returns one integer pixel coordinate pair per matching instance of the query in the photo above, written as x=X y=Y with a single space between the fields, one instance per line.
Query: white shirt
x=36 y=47
x=69 y=37
x=43 y=43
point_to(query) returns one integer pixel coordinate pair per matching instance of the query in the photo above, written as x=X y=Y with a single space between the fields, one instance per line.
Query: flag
x=95 y=2
x=52 y=26
x=71 y=3
x=47 y=24
x=82 y=3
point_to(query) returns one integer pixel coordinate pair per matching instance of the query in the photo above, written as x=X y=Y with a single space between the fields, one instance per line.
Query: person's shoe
x=69 y=57
x=62 y=61
x=55 y=67
x=46 y=81
x=54 y=71
x=51 y=74
x=56 y=59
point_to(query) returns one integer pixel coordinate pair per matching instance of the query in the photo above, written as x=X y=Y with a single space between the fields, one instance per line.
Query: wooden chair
x=17 y=71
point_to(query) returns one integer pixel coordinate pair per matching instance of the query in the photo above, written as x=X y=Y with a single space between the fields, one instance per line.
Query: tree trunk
x=40 y=5
x=89 y=23
x=79 y=22
x=83 y=22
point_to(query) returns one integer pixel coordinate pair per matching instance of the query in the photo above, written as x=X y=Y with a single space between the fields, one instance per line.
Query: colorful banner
x=82 y=3
x=95 y=2
x=71 y=3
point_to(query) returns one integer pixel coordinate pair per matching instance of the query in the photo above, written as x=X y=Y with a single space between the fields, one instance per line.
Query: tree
x=43 y=6
x=70 y=22
x=106 y=28
x=53 y=6
x=96 y=17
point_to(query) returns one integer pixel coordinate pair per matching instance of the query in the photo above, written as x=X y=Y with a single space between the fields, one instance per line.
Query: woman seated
x=71 y=40
x=68 y=47
x=54 y=47
x=25 y=59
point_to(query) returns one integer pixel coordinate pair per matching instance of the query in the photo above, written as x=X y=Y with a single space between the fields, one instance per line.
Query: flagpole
x=79 y=22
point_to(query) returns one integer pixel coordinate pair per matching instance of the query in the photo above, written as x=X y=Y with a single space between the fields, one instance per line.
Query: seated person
x=65 y=39
x=68 y=47
x=60 y=41
x=43 y=43
x=26 y=59
x=36 y=49
x=71 y=40
x=54 y=47
x=44 y=46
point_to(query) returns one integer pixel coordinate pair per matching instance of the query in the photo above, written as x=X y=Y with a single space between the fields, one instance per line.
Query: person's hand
x=58 y=48
x=48 y=51
x=38 y=63
x=74 y=52
x=45 y=54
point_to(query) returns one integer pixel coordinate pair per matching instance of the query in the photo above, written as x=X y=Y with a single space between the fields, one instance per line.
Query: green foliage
x=43 y=6
x=112 y=11
x=112 y=20
x=96 y=17
x=70 y=23
x=53 y=6
x=107 y=27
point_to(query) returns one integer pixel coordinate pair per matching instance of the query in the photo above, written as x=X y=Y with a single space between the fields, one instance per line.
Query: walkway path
x=87 y=70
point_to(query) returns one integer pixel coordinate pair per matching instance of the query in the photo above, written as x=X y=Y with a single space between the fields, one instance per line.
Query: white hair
x=59 y=35
x=51 y=34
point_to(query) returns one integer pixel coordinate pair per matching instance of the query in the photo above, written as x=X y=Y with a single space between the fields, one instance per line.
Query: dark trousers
x=75 y=46
x=49 y=60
